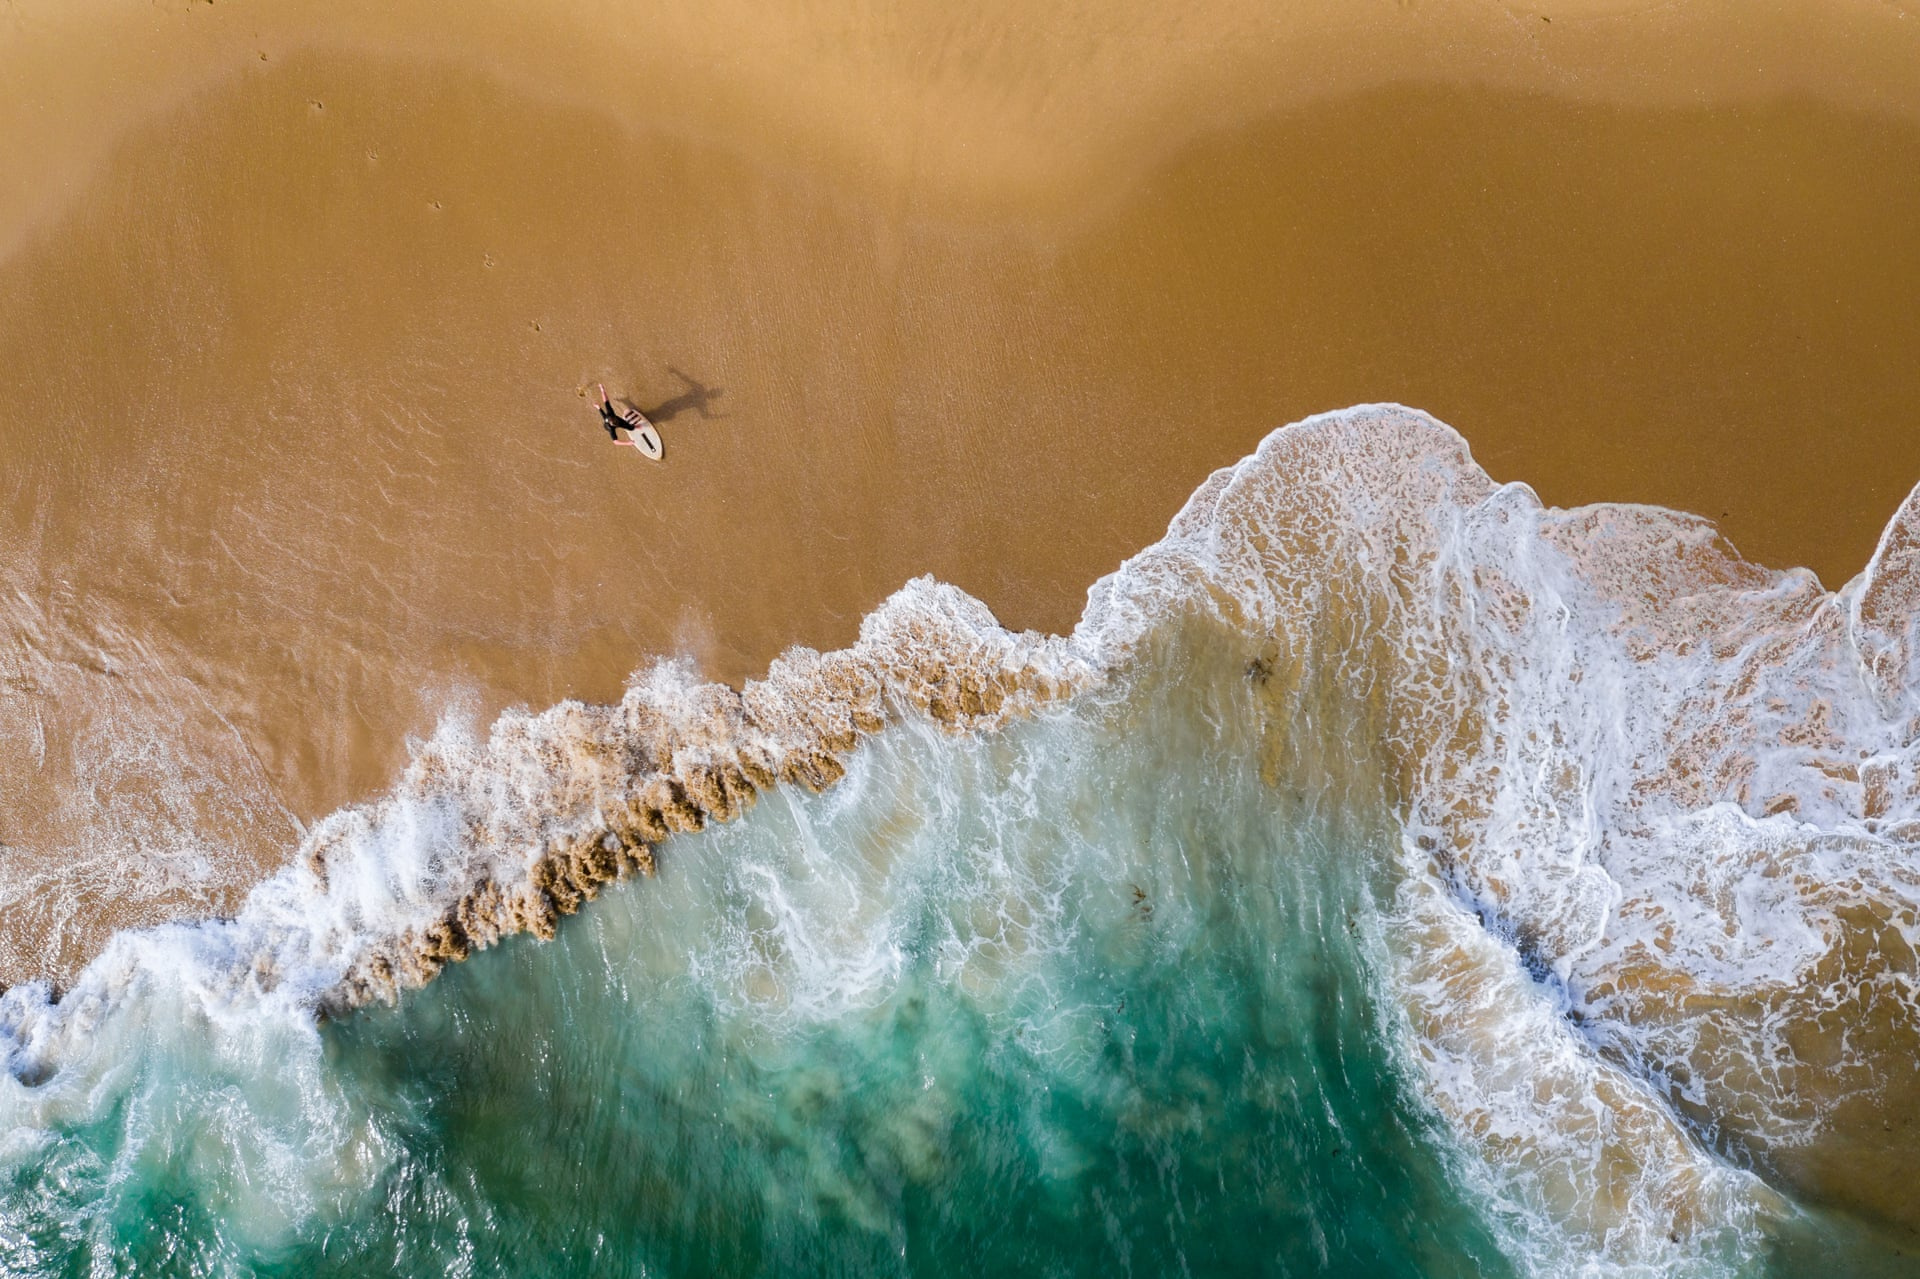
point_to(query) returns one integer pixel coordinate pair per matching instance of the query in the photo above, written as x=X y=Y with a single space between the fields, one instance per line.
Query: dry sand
x=298 y=301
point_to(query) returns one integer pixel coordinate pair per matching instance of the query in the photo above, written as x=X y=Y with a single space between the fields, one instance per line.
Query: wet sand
x=294 y=451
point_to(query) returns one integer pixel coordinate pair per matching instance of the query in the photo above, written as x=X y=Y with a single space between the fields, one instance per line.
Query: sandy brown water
x=293 y=451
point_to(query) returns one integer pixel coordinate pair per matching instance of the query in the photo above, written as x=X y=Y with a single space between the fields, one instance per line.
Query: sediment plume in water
x=554 y=806
x=1651 y=898
x=486 y=839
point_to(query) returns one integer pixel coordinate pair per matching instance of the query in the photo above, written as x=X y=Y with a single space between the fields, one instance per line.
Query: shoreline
x=482 y=840
x=990 y=319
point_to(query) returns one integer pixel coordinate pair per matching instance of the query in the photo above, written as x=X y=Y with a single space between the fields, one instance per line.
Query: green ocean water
x=1382 y=880
x=1085 y=996
x=1075 y=999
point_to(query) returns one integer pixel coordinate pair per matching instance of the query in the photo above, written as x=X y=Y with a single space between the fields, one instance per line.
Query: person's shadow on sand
x=698 y=397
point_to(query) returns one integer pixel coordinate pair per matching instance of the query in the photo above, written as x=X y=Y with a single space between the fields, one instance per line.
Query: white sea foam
x=1679 y=787
x=1657 y=889
x=120 y=783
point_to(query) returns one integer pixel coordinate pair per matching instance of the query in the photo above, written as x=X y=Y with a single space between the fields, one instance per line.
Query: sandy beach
x=300 y=306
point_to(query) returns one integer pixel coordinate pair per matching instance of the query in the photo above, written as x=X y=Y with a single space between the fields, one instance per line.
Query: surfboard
x=646 y=440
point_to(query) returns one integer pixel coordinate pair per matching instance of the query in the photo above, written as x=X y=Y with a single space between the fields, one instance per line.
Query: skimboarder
x=640 y=433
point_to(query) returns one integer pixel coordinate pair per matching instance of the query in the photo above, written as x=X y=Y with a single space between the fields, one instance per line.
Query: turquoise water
x=1164 y=979
x=1086 y=997
x=1081 y=998
x=1008 y=1018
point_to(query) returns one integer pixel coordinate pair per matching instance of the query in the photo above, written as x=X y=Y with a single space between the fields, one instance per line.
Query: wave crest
x=1659 y=810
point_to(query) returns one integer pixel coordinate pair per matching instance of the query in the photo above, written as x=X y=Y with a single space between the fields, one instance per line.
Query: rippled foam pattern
x=1389 y=876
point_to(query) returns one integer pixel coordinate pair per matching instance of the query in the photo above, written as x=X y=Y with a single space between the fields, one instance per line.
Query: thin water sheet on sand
x=1637 y=885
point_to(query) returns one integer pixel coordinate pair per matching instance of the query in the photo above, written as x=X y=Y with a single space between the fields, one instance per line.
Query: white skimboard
x=645 y=440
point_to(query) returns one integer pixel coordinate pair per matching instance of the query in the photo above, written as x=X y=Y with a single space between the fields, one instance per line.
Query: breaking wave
x=1592 y=841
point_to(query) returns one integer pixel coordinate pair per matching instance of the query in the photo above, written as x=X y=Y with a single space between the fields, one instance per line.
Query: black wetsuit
x=611 y=420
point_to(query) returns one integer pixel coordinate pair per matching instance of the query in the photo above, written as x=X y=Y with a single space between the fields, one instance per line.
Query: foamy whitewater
x=1387 y=876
